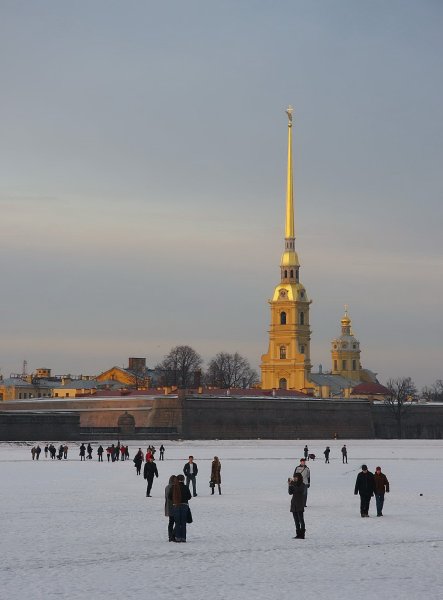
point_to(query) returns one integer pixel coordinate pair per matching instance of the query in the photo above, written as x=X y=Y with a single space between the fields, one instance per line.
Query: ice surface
x=86 y=530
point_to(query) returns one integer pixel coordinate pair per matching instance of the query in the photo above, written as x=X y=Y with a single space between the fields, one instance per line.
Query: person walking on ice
x=364 y=485
x=190 y=470
x=381 y=485
x=216 y=475
x=344 y=454
x=149 y=472
x=326 y=453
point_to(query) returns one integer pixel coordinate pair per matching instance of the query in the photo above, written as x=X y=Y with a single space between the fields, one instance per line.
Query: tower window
x=335 y=365
x=296 y=275
x=286 y=274
x=343 y=365
x=282 y=351
x=292 y=274
x=282 y=318
x=302 y=318
x=354 y=346
x=283 y=384
x=302 y=349
x=354 y=365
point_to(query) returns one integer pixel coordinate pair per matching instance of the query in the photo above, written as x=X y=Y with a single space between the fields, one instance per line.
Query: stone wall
x=34 y=426
x=206 y=417
x=230 y=418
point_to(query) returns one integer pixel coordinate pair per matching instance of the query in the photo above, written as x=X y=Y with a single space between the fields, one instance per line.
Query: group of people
x=369 y=484
x=178 y=494
x=326 y=452
x=50 y=450
x=115 y=452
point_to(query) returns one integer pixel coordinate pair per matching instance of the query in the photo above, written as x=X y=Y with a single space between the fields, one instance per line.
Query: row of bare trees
x=183 y=367
x=403 y=394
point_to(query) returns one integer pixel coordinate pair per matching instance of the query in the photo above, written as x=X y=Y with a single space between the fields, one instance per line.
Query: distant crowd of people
x=51 y=451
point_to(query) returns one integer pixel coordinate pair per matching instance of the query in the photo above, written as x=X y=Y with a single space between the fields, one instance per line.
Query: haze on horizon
x=143 y=161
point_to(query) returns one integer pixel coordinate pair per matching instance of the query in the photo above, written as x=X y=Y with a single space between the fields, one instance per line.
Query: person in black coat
x=100 y=451
x=148 y=473
x=138 y=460
x=296 y=488
x=326 y=453
x=190 y=470
x=364 y=486
x=82 y=452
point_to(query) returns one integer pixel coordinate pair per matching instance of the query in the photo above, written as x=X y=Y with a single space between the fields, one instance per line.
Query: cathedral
x=287 y=364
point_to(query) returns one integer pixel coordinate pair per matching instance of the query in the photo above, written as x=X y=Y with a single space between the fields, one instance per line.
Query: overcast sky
x=143 y=165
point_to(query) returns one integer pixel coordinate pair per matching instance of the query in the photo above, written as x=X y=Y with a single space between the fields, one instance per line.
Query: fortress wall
x=230 y=418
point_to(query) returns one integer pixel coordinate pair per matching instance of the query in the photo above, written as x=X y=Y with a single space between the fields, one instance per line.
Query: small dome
x=289 y=258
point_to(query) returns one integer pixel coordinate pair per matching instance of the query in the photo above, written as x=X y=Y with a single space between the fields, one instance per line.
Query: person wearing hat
x=381 y=485
x=305 y=472
x=364 y=486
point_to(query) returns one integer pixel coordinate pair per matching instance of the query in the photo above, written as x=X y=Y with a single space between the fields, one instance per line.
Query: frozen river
x=86 y=530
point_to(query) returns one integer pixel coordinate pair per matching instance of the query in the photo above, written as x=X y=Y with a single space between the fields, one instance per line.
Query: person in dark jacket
x=344 y=454
x=306 y=452
x=148 y=473
x=180 y=495
x=162 y=452
x=296 y=488
x=216 y=474
x=190 y=470
x=326 y=453
x=82 y=452
x=364 y=486
x=89 y=452
x=169 y=508
x=381 y=485
x=100 y=451
x=138 y=460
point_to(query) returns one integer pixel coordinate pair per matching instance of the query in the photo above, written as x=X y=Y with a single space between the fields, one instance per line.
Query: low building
x=16 y=388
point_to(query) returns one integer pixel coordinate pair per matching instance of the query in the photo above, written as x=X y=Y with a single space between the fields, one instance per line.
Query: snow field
x=86 y=530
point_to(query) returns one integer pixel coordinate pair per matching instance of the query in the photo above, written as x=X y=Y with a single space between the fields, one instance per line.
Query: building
x=136 y=375
x=287 y=364
x=16 y=388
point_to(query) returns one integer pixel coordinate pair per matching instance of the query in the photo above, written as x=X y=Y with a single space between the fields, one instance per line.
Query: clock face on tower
x=282 y=293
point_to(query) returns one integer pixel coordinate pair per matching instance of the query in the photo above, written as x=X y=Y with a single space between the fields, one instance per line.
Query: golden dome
x=289 y=258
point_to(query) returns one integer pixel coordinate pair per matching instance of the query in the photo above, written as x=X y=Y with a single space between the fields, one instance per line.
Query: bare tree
x=230 y=370
x=434 y=393
x=402 y=393
x=180 y=367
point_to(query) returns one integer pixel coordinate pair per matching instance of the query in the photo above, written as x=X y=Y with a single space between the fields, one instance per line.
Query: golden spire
x=289 y=257
x=289 y=229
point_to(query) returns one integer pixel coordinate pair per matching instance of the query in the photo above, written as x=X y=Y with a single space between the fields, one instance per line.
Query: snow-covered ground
x=86 y=530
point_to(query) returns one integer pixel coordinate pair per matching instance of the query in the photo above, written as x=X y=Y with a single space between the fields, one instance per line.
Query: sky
x=143 y=172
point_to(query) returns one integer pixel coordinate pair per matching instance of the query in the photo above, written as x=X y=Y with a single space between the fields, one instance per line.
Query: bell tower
x=287 y=363
x=345 y=351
